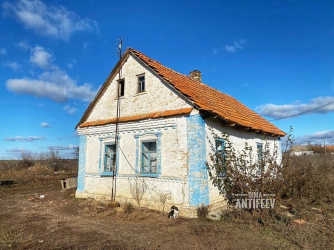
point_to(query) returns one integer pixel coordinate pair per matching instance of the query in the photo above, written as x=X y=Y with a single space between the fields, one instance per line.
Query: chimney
x=196 y=75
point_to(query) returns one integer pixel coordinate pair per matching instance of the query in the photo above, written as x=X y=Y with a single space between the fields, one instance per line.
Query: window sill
x=107 y=174
x=148 y=175
x=140 y=93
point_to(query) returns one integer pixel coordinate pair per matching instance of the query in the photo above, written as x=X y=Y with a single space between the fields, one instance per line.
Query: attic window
x=141 y=83
x=121 y=86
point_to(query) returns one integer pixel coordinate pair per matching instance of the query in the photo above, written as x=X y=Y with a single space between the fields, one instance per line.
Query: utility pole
x=114 y=163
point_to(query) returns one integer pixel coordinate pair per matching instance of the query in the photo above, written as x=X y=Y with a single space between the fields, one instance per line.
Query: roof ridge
x=210 y=99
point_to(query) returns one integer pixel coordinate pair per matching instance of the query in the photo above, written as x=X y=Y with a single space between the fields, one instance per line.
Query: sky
x=276 y=57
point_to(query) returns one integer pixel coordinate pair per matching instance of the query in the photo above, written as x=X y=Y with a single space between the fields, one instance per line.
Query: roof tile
x=210 y=99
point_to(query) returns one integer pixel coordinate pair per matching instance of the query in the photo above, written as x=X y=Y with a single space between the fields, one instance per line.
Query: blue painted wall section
x=197 y=173
x=82 y=163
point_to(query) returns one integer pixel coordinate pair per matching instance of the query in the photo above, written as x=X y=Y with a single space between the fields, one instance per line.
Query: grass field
x=59 y=221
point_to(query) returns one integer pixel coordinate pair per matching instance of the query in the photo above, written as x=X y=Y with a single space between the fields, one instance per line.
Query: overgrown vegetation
x=37 y=170
x=303 y=188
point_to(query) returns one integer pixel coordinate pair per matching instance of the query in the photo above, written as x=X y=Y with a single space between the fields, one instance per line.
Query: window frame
x=140 y=84
x=104 y=142
x=147 y=137
x=259 y=151
x=221 y=152
x=121 y=87
x=143 y=152
x=113 y=162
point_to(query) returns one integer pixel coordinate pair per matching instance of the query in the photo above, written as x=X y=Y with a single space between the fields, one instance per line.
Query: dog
x=174 y=212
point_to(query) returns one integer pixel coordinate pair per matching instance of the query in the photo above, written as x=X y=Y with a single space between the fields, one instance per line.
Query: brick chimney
x=196 y=75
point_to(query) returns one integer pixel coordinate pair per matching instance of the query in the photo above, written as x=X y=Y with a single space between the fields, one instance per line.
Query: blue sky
x=276 y=57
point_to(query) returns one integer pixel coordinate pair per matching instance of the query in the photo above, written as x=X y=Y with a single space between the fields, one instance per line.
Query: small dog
x=174 y=212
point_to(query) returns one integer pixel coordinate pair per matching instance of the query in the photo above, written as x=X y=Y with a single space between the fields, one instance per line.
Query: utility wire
x=302 y=112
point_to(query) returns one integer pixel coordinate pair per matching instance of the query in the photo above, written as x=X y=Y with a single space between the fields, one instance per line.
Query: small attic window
x=141 y=83
x=121 y=87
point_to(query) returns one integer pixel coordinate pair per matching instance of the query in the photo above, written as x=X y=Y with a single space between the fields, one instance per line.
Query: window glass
x=149 y=157
x=121 y=87
x=109 y=158
x=141 y=83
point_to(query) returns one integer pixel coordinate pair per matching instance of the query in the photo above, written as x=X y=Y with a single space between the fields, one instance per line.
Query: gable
x=158 y=99
x=167 y=90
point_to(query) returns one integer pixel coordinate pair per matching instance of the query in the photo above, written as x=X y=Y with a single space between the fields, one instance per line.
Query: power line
x=302 y=112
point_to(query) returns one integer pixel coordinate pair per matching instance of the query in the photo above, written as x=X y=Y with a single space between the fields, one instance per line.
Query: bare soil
x=59 y=221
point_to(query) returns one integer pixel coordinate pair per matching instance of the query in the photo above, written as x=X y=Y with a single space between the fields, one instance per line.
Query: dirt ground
x=59 y=221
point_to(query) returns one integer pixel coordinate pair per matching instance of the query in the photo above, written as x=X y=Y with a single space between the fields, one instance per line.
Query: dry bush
x=138 y=188
x=202 y=211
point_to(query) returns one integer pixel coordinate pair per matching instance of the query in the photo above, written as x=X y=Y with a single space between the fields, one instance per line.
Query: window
x=109 y=158
x=141 y=83
x=121 y=86
x=259 y=152
x=220 y=145
x=149 y=157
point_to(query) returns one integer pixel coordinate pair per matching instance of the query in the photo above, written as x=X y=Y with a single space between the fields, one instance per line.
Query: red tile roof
x=201 y=95
x=210 y=99
x=166 y=113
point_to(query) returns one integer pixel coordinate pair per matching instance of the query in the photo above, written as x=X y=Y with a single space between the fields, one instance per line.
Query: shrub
x=202 y=212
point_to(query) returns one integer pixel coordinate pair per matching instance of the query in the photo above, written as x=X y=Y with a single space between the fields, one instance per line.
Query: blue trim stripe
x=82 y=163
x=197 y=173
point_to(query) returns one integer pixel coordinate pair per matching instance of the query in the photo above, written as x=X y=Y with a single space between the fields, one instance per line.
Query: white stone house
x=164 y=135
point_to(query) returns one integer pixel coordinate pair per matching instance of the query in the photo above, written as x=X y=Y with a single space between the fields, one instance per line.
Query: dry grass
x=36 y=176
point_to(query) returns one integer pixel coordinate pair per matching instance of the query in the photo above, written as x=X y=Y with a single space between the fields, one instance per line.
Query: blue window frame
x=109 y=160
x=220 y=145
x=259 y=150
x=149 y=157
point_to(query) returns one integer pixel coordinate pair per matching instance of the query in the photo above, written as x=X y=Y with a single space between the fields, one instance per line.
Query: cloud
x=53 y=21
x=316 y=138
x=60 y=148
x=23 y=45
x=13 y=65
x=45 y=125
x=25 y=139
x=70 y=110
x=53 y=83
x=17 y=152
x=71 y=64
x=319 y=105
x=85 y=45
x=40 y=57
x=3 y=51
x=238 y=45
x=52 y=88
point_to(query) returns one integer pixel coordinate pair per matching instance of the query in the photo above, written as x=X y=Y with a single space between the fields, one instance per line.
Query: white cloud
x=57 y=86
x=23 y=45
x=53 y=83
x=54 y=21
x=316 y=138
x=41 y=57
x=238 y=45
x=71 y=64
x=69 y=147
x=70 y=110
x=319 y=105
x=45 y=125
x=13 y=65
x=25 y=139
x=3 y=51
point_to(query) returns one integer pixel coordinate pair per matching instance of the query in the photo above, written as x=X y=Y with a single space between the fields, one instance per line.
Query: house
x=164 y=121
x=301 y=150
